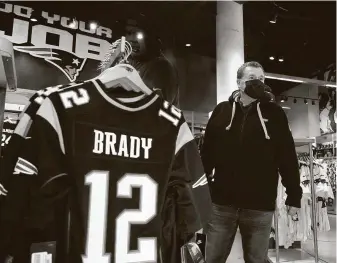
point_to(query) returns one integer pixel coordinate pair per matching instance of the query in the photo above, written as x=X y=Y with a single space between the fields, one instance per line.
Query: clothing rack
x=299 y=143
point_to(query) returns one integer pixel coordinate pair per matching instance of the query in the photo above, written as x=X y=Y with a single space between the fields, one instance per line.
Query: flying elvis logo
x=74 y=45
x=69 y=63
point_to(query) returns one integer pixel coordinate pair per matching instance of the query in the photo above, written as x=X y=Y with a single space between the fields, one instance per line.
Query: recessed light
x=188 y=45
x=140 y=35
x=281 y=59
x=73 y=24
x=33 y=19
x=271 y=58
x=273 y=20
x=93 y=26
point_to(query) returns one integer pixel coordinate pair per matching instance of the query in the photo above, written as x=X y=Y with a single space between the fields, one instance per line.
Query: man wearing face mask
x=247 y=145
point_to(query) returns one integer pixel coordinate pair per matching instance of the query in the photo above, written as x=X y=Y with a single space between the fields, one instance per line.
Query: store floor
x=326 y=248
x=326 y=243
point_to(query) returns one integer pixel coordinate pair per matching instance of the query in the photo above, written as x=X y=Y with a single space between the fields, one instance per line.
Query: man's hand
x=292 y=211
x=3 y=191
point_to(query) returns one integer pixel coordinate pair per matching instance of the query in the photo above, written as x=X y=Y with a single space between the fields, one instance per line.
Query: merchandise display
x=329 y=165
x=325 y=150
x=329 y=169
x=305 y=224
x=299 y=227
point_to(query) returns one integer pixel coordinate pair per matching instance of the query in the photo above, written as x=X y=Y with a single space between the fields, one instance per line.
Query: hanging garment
x=57 y=121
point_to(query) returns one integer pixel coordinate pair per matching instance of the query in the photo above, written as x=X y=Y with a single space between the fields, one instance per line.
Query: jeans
x=255 y=227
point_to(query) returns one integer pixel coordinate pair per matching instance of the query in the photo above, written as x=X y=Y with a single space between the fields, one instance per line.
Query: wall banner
x=51 y=50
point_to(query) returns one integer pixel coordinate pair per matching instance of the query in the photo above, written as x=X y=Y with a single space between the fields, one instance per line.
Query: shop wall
x=303 y=119
x=197 y=75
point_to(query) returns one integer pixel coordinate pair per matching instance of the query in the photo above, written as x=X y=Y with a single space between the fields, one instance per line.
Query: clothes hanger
x=122 y=74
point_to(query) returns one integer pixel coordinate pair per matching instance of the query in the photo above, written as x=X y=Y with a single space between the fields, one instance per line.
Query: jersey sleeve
x=19 y=145
x=187 y=202
x=43 y=155
x=192 y=193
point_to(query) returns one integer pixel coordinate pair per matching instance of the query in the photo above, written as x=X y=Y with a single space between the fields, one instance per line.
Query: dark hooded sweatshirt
x=249 y=148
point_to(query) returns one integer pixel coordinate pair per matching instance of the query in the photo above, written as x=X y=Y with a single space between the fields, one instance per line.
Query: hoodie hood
x=234 y=100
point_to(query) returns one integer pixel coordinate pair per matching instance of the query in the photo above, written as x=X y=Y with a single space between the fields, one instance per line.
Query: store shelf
x=303 y=141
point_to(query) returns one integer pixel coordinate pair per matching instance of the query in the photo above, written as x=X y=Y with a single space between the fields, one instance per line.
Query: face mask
x=255 y=89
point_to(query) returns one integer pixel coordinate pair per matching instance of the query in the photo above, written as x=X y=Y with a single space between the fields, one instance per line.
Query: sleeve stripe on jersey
x=47 y=111
x=39 y=100
x=184 y=136
x=25 y=167
x=23 y=126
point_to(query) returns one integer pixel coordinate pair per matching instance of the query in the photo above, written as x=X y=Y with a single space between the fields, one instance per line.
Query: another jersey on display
x=22 y=129
x=124 y=164
x=7 y=132
x=15 y=206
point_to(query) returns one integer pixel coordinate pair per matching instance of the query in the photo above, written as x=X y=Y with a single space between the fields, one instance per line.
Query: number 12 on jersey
x=97 y=219
x=173 y=116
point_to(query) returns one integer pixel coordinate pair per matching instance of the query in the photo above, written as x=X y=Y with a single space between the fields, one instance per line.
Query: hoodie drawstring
x=262 y=121
x=260 y=117
x=233 y=114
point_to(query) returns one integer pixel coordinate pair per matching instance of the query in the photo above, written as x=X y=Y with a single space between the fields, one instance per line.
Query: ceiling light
x=284 y=98
x=140 y=35
x=305 y=101
x=188 y=45
x=273 y=20
x=313 y=102
x=93 y=26
x=295 y=100
x=281 y=59
x=271 y=58
x=73 y=24
x=33 y=19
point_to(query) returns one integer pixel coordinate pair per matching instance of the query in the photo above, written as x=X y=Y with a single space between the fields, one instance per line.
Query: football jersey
x=18 y=202
x=122 y=162
x=7 y=132
x=22 y=129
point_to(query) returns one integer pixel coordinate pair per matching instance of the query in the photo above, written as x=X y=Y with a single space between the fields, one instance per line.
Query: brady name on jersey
x=110 y=143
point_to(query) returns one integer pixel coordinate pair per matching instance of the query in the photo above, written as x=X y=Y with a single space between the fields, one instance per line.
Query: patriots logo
x=69 y=63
